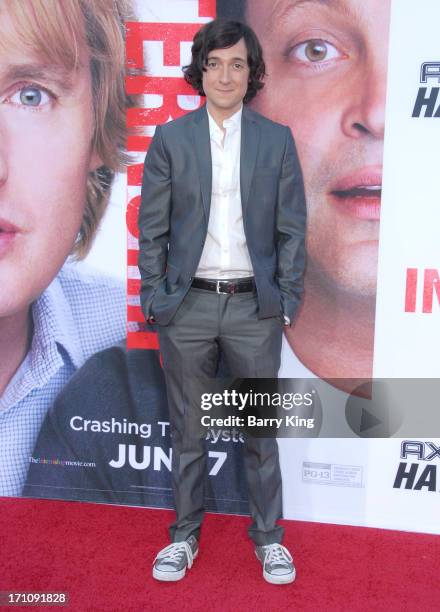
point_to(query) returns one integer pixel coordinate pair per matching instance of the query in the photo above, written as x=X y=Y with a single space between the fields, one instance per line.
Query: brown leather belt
x=238 y=285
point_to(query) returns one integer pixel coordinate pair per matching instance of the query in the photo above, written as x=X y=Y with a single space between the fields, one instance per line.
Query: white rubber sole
x=274 y=579
x=171 y=576
x=283 y=579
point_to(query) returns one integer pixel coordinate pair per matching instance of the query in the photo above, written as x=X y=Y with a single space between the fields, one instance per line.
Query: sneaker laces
x=276 y=553
x=174 y=552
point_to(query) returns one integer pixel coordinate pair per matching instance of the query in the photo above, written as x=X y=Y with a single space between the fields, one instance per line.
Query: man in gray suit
x=221 y=238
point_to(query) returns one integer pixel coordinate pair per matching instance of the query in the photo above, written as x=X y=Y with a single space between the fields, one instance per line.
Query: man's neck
x=333 y=336
x=219 y=115
x=15 y=339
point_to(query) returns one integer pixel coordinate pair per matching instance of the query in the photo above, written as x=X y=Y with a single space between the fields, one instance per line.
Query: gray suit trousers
x=205 y=324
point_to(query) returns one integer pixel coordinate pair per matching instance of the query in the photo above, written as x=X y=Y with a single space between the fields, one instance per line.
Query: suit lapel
x=202 y=147
x=250 y=137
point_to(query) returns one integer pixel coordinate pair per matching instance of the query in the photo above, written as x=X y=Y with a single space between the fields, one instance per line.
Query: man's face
x=326 y=62
x=225 y=80
x=46 y=128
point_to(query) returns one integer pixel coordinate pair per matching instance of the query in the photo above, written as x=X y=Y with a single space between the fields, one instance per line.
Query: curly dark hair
x=222 y=34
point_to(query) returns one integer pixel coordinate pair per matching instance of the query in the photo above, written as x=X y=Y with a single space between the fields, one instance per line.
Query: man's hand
x=291 y=229
x=154 y=220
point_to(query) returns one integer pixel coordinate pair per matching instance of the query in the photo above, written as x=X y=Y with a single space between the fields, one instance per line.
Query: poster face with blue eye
x=83 y=400
x=58 y=163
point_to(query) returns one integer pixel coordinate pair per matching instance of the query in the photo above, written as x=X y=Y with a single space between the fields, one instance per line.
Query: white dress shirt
x=225 y=254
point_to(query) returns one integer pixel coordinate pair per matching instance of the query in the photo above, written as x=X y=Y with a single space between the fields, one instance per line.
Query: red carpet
x=102 y=555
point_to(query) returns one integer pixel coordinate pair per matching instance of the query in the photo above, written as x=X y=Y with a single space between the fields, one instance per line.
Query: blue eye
x=31 y=96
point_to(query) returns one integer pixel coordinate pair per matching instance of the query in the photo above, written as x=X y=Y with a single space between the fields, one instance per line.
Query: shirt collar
x=54 y=324
x=233 y=122
x=54 y=338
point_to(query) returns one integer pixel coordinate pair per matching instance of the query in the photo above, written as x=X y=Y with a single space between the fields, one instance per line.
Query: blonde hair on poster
x=56 y=30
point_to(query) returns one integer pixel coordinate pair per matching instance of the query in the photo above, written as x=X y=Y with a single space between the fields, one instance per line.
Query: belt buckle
x=217 y=287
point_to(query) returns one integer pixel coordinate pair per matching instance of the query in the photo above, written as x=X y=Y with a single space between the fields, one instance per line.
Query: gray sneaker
x=277 y=563
x=172 y=561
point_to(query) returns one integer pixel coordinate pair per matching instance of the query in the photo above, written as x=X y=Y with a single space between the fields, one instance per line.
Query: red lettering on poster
x=133 y=286
x=167 y=87
x=171 y=35
x=142 y=340
x=135 y=313
x=132 y=216
x=411 y=290
x=132 y=256
x=158 y=85
x=207 y=8
x=138 y=143
x=138 y=117
x=134 y=175
x=431 y=282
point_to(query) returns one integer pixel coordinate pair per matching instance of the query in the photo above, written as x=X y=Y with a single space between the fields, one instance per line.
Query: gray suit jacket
x=174 y=212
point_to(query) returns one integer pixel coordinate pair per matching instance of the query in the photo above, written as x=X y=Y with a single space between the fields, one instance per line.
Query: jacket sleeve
x=291 y=229
x=154 y=220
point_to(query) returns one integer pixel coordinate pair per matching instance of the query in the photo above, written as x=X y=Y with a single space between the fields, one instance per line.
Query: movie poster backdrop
x=362 y=106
